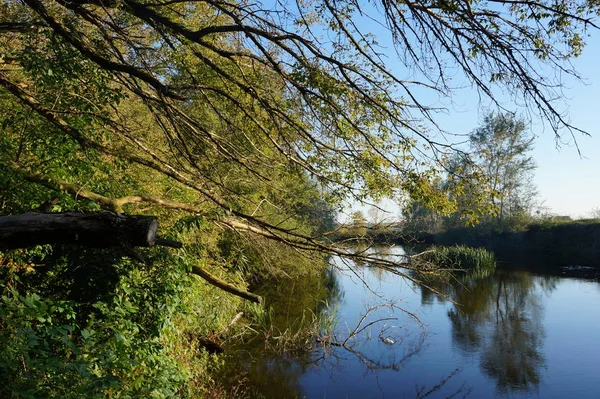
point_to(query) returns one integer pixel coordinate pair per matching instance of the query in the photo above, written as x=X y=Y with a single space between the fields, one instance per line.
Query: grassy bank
x=460 y=261
x=541 y=246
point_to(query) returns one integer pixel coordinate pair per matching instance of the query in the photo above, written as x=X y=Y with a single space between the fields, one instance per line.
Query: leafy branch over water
x=241 y=129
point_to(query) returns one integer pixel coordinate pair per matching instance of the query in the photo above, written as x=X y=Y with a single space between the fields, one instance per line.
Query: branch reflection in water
x=363 y=333
x=360 y=343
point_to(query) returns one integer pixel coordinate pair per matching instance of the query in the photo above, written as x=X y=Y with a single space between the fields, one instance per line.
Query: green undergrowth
x=83 y=323
x=88 y=324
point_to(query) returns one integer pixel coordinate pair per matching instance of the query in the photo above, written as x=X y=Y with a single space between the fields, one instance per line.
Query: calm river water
x=510 y=335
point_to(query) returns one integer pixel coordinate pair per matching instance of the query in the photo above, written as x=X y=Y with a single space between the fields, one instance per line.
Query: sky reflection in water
x=515 y=334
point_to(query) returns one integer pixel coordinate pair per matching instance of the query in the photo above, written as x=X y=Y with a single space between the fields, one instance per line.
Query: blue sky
x=568 y=183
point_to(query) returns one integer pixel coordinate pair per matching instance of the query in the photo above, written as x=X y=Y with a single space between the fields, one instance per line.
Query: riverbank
x=545 y=246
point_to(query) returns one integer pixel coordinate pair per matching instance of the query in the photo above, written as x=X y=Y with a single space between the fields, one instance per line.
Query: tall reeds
x=474 y=262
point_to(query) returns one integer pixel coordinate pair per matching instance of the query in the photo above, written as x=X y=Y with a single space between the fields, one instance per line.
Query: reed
x=475 y=262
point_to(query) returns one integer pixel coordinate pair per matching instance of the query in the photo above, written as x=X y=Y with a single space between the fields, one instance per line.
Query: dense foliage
x=241 y=127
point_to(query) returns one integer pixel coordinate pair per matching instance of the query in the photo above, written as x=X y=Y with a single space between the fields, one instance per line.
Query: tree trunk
x=98 y=229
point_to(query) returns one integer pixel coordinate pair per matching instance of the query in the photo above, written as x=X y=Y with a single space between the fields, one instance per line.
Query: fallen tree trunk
x=98 y=229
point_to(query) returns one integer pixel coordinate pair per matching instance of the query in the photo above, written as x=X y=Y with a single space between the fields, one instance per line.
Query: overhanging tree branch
x=222 y=284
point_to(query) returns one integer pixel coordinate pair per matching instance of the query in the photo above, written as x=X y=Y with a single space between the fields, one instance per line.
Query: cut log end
x=152 y=231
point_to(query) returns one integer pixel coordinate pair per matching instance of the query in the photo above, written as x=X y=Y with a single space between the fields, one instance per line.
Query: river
x=513 y=334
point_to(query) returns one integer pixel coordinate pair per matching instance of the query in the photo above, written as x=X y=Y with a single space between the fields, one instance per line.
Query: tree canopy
x=503 y=146
x=242 y=127
x=213 y=95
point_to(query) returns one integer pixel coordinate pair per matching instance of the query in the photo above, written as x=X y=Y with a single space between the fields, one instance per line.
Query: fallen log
x=98 y=229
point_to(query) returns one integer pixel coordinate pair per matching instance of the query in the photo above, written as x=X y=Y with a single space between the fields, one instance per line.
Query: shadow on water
x=487 y=334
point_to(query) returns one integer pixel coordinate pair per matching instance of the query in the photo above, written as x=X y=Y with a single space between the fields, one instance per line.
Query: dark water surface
x=512 y=334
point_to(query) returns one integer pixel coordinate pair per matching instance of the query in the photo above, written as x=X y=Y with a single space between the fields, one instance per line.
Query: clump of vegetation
x=90 y=324
x=475 y=262
x=241 y=132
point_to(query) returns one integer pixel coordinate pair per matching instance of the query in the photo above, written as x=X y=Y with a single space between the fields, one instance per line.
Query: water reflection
x=272 y=361
x=503 y=335
x=363 y=341
x=500 y=319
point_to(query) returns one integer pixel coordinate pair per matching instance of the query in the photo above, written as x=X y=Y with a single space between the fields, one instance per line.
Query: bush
x=87 y=334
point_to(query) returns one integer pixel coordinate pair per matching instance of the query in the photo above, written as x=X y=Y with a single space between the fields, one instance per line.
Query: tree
x=228 y=121
x=358 y=225
x=503 y=151
x=493 y=177
x=220 y=85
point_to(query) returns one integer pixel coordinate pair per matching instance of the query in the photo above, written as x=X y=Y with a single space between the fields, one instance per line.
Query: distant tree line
x=498 y=171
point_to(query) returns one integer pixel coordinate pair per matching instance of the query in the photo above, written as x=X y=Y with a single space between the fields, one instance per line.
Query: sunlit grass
x=474 y=262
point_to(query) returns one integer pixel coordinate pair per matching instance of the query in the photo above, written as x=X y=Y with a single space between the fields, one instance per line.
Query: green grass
x=475 y=262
